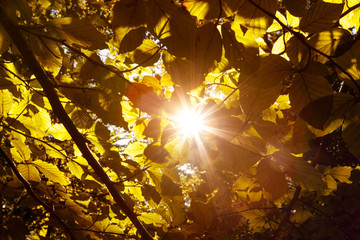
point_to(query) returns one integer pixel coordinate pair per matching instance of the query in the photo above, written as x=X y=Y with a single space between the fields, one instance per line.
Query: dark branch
x=60 y=113
x=30 y=191
x=303 y=40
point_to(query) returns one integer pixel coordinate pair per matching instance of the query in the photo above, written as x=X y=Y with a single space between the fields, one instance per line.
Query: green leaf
x=29 y=172
x=236 y=158
x=254 y=18
x=79 y=32
x=271 y=178
x=135 y=149
x=51 y=172
x=320 y=16
x=308 y=86
x=169 y=188
x=5 y=103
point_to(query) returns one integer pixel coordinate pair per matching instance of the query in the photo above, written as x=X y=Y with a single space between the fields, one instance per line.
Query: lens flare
x=189 y=123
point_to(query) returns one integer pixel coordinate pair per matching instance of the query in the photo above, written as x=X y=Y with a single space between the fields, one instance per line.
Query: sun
x=189 y=122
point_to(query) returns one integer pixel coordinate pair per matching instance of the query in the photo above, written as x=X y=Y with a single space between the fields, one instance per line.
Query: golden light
x=189 y=122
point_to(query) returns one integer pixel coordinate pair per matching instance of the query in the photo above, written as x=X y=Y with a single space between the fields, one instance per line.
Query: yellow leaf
x=152 y=218
x=51 y=172
x=75 y=169
x=342 y=174
x=29 y=172
x=135 y=149
x=253 y=18
x=59 y=132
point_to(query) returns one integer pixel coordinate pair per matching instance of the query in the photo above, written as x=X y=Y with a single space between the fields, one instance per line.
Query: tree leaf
x=342 y=174
x=79 y=32
x=330 y=42
x=29 y=172
x=271 y=178
x=254 y=100
x=205 y=9
x=175 y=29
x=350 y=136
x=208 y=47
x=47 y=52
x=253 y=18
x=298 y=52
x=320 y=16
x=273 y=71
x=132 y=39
x=126 y=16
x=296 y=8
x=51 y=172
x=350 y=61
x=144 y=98
x=307 y=87
x=300 y=171
x=152 y=218
x=241 y=48
x=146 y=54
x=318 y=112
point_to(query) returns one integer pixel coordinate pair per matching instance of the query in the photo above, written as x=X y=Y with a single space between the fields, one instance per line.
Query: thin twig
x=303 y=40
x=30 y=191
x=59 y=111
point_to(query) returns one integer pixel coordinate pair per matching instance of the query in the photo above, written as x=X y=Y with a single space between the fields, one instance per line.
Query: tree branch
x=60 y=113
x=30 y=191
x=303 y=40
x=289 y=208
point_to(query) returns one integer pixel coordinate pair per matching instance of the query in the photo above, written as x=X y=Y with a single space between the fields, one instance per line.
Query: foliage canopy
x=90 y=146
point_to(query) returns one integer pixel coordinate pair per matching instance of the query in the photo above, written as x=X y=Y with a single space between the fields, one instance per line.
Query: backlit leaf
x=300 y=171
x=342 y=174
x=29 y=172
x=146 y=54
x=320 y=16
x=308 y=86
x=253 y=18
x=296 y=8
x=51 y=172
x=241 y=48
x=271 y=178
x=132 y=39
x=350 y=136
x=330 y=42
x=152 y=218
x=79 y=32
